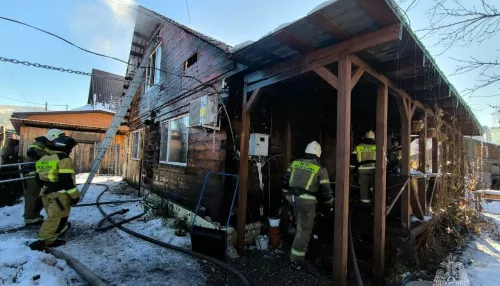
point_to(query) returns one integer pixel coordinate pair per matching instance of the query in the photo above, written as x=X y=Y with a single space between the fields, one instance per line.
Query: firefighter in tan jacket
x=32 y=201
x=305 y=180
x=56 y=176
x=363 y=160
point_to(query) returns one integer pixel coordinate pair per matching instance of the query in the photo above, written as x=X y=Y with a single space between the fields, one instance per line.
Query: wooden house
x=347 y=67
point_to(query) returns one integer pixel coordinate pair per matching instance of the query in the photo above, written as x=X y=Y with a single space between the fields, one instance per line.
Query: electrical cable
x=21 y=90
x=218 y=263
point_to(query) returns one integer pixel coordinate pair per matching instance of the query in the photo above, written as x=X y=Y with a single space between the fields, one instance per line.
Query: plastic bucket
x=274 y=222
x=262 y=242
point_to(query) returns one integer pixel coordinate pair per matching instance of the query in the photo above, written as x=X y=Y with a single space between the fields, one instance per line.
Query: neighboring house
x=105 y=90
x=86 y=126
x=5 y=135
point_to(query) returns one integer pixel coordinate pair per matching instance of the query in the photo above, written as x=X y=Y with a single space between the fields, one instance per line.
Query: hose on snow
x=79 y=268
x=218 y=263
x=121 y=212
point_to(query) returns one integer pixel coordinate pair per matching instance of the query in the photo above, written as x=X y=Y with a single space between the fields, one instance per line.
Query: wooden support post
x=242 y=194
x=435 y=156
x=380 y=185
x=405 y=109
x=444 y=149
x=288 y=144
x=462 y=156
x=342 y=172
x=422 y=140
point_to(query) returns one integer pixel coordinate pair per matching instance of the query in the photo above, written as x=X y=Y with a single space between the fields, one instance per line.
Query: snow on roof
x=97 y=106
x=283 y=25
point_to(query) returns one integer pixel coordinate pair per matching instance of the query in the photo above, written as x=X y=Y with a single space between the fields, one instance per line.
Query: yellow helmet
x=370 y=135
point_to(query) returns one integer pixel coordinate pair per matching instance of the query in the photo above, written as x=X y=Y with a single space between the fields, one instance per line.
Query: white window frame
x=168 y=142
x=139 y=144
x=153 y=72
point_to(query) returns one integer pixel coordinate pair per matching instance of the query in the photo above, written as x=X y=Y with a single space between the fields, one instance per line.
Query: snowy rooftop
x=98 y=106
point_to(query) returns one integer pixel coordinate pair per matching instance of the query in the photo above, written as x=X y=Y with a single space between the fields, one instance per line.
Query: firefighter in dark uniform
x=32 y=200
x=305 y=180
x=56 y=175
x=363 y=159
x=394 y=157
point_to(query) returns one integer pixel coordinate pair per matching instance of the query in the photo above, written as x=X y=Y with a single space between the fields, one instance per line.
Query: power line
x=15 y=83
x=23 y=101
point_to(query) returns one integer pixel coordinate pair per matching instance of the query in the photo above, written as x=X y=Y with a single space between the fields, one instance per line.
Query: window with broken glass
x=153 y=71
x=174 y=141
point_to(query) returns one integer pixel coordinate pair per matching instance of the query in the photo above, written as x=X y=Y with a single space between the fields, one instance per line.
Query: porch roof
x=405 y=62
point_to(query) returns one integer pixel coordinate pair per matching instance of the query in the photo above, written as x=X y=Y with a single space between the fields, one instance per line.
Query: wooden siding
x=170 y=99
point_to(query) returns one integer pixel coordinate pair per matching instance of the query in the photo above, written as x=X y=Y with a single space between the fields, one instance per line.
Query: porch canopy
x=341 y=42
x=378 y=39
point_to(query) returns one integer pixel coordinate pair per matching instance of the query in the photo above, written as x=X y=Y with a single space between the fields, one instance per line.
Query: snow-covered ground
x=115 y=256
x=484 y=252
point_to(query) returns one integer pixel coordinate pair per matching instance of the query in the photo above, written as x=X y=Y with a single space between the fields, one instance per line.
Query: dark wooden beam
x=405 y=110
x=135 y=54
x=292 y=42
x=444 y=149
x=243 y=187
x=137 y=45
x=139 y=35
x=319 y=58
x=356 y=77
x=328 y=76
x=342 y=172
x=422 y=154
x=330 y=26
x=254 y=98
x=288 y=144
x=379 y=11
x=416 y=206
x=435 y=155
x=380 y=185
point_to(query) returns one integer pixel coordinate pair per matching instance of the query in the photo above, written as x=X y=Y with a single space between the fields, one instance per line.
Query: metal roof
x=107 y=88
x=405 y=62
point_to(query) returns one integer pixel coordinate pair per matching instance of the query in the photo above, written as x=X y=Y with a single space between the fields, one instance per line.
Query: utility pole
x=67 y=107
x=46 y=104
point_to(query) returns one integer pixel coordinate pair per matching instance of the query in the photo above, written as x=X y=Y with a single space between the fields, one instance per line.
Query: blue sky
x=106 y=26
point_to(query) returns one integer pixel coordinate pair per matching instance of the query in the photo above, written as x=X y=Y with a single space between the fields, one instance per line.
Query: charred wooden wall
x=171 y=98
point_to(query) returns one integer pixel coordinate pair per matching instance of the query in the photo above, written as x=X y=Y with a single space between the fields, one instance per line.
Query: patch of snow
x=82 y=178
x=242 y=45
x=113 y=255
x=20 y=265
x=426 y=218
x=12 y=217
x=321 y=6
x=97 y=106
x=484 y=253
x=282 y=26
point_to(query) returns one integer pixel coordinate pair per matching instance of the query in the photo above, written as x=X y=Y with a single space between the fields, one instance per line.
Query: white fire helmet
x=52 y=134
x=314 y=148
x=370 y=135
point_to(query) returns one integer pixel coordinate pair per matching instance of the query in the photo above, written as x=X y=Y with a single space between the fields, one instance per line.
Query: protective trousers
x=366 y=184
x=305 y=210
x=32 y=202
x=57 y=219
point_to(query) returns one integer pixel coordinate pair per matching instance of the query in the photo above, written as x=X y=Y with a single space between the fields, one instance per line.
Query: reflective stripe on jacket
x=307 y=175
x=57 y=173
x=365 y=152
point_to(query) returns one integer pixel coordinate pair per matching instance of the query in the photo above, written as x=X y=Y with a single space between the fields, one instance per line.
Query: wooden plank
x=292 y=42
x=327 y=75
x=318 y=58
x=435 y=155
x=405 y=162
x=416 y=206
x=342 y=172
x=380 y=185
x=356 y=77
x=254 y=98
x=329 y=25
x=444 y=149
x=397 y=197
x=243 y=187
x=288 y=144
x=422 y=154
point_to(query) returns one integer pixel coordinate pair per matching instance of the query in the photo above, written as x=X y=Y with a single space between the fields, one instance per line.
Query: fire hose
x=218 y=263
